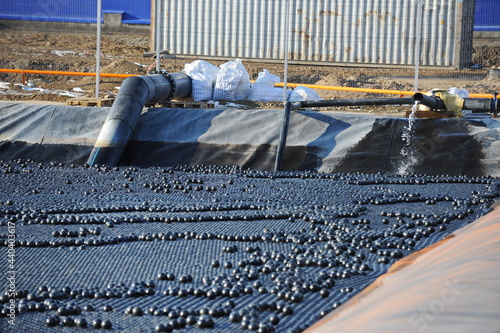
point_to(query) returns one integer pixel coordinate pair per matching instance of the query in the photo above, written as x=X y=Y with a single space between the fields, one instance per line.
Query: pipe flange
x=495 y=106
x=181 y=85
x=173 y=83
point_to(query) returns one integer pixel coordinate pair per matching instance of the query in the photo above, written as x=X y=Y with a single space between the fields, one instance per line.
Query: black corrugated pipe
x=353 y=102
x=134 y=93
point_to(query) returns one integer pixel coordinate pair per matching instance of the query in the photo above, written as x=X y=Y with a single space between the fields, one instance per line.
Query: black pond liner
x=211 y=249
x=440 y=146
x=321 y=141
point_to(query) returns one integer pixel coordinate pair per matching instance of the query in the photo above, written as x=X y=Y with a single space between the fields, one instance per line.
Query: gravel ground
x=125 y=55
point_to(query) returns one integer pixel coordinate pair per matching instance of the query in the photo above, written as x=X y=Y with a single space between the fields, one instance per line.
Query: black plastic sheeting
x=48 y=133
x=209 y=249
x=322 y=141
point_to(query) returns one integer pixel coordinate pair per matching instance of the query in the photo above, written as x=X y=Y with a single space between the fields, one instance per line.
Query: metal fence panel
x=340 y=31
x=59 y=36
x=75 y=11
x=335 y=44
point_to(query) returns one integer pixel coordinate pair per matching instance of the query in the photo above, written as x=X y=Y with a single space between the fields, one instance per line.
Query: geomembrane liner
x=215 y=249
x=322 y=141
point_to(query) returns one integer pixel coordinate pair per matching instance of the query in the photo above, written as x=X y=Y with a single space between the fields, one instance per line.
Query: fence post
x=157 y=33
x=285 y=48
x=418 y=40
x=278 y=164
x=98 y=50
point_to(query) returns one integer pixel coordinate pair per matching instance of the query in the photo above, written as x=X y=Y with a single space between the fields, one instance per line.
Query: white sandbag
x=203 y=67
x=227 y=81
x=233 y=82
x=243 y=88
x=201 y=87
x=263 y=88
x=211 y=70
x=203 y=75
x=302 y=93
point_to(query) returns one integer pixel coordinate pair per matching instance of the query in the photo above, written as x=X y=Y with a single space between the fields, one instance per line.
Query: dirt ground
x=124 y=54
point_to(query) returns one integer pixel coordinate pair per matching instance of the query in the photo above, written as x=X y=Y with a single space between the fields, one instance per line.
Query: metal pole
x=157 y=33
x=418 y=40
x=98 y=51
x=285 y=47
x=278 y=164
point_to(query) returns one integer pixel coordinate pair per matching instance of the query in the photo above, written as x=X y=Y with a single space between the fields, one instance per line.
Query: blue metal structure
x=74 y=11
x=487 y=15
x=134 y=11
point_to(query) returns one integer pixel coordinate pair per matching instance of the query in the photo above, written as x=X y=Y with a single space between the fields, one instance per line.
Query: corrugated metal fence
x=339 y=31
x=138 y=12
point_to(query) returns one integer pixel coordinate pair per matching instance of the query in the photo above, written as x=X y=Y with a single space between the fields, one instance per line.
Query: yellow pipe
x=482 y=95
x=31 y=71
x=368 y=90
x=293 y=85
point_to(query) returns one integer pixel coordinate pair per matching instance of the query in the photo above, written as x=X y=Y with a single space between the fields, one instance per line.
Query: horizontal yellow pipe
x=32 y=71
x=481 y=95
x=367 y=90
x=292 y=85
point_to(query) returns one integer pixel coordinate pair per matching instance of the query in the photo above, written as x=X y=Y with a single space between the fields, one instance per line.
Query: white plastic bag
x=263 y=88
x=243 y=88
x=203 y=76
x=227 y=81
x=302 y=93
x=463 y=93
x=203 y=67
x=233 y=82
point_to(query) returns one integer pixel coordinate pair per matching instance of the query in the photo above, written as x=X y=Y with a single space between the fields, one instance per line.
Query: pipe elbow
x=430 y=101
x=134 y=93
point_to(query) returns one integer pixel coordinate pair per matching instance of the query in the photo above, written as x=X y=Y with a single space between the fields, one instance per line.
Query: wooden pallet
x=183 y=105
x=82 y=101
x=427 y=114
